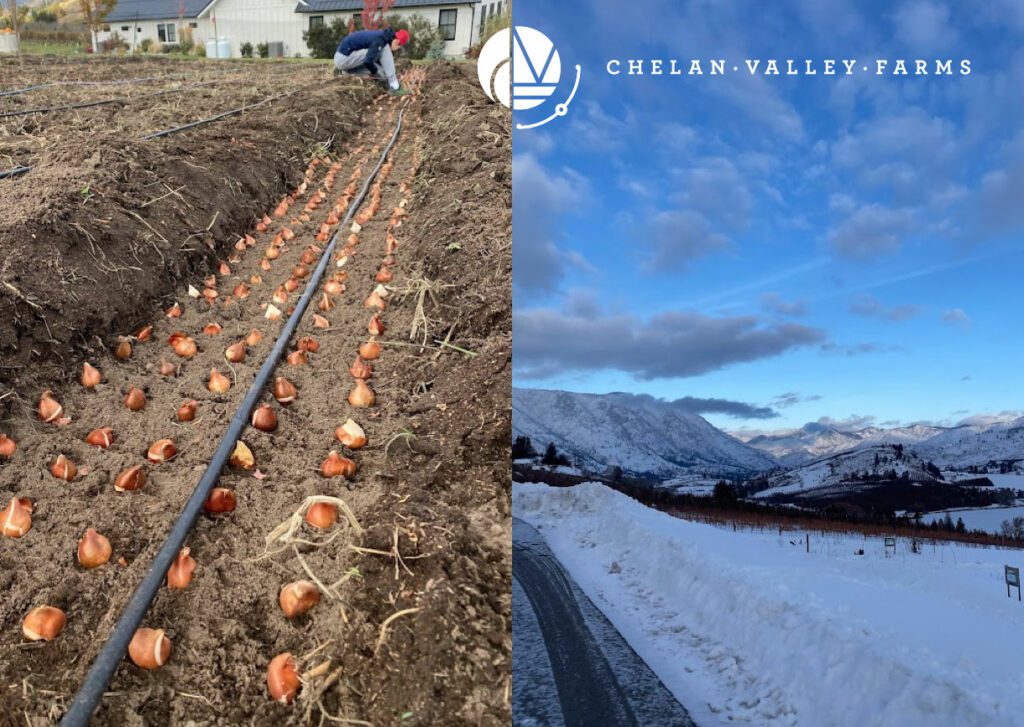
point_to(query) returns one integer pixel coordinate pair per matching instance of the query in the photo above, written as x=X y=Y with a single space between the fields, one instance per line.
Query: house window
x=316 y=21
x=166 y=33
x=126 y=27
x=483 y=17
x=446 y=22
x=193 y=25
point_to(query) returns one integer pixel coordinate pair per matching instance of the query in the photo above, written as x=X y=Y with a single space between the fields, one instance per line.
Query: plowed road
x=570 y=665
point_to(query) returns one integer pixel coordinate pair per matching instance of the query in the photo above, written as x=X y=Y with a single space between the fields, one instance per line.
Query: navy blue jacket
x=371 y=40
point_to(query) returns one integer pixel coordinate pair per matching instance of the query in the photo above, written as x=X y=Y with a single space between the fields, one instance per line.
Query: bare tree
x=93 y=14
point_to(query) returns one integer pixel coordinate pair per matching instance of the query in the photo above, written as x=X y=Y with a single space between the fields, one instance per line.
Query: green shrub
x=423 y=35
x=263 y=50
x=42 y=15
x=246 y=50
x=146 y=45
x=170 y=48
x=323 y=40
x=200 y=51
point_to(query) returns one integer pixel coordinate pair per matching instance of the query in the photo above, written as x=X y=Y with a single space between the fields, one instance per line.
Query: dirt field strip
x=411 y=571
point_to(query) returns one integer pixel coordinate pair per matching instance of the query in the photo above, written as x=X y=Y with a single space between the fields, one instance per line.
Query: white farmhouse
x=280 y=23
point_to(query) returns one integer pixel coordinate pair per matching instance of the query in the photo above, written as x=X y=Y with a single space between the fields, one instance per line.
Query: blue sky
x=787 y=248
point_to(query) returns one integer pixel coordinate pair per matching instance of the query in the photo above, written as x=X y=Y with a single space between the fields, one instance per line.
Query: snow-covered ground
x=747 y=627
x=989 y=519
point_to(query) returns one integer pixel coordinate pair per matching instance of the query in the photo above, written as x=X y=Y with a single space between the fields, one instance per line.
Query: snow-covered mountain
x=976 y=445
x=641 y=434
x=815 y=440
x=954 y=448
x=840 y=471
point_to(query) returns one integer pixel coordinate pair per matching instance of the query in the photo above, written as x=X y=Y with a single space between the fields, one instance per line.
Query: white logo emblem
x=525 y=68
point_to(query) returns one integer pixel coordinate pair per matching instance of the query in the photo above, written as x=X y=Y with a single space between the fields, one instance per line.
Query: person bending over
x=371 y=53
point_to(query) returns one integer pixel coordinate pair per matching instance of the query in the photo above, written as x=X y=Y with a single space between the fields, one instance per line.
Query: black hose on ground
x=14 y=172
x=95 y=684
x=232 y=112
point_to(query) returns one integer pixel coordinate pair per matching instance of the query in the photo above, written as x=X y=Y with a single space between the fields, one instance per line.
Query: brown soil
x=432 y=485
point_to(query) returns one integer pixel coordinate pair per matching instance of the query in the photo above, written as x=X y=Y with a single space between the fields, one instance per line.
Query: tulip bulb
x=212 y=329
x=280 y=296
x=219 y=501
x=361 y=395
x=272 y=253
x=297 y=358
x=43 y=623
x=307 y=343
x=161 y=450
x=265 y=265
x=283 y=681
x=373 y=300
x=101 y=438
x=179 y=575
x=320 y=322
x=264 y=418
x=149 y=648
x=273 y=312
x=235 y=353
x=167 y=368
x=184 y=346
x=131 y=479
x=337 y=466
x=91 y=375
x=16 y=518
x=370 y=351
x=123 y=352
x=50 y=409
x=322 y=515
x=284 y=390
x=7 y=446
x=351 y=435
x=254 y=337
x=218 y=383
x=300 y=271
x=333 y=287
x=241 y=456
x=174 y=311
x=298 y=597
x=93 y=549
x=241 y=291
x=375 y=326
x=135 y=400
x=360 y=369
x=287 y=234
x=384 y=275
x=224 y=268
x=291 y=285
x=144 y=334
x=63 y=468
x=325 y=303
x=187 y=411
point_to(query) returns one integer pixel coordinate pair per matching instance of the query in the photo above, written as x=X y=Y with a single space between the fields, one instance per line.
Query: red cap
x=402 y=36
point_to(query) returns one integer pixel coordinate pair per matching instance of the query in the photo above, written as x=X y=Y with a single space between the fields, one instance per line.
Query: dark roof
x=341 y=6
x=155 y=10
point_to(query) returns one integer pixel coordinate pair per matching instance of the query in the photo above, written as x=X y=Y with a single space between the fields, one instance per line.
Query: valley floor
x=747 y=627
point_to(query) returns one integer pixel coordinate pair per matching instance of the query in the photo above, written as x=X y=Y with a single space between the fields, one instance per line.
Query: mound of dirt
x=104 y=229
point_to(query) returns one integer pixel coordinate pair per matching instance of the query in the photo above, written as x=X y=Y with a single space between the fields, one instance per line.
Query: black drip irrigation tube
x=67 y=107
x=91 y=691
x=14 y=172
x=167 y=132
x=232 y=112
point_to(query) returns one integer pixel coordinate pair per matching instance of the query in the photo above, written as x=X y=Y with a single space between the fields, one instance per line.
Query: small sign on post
x=1012 y=577
x=890 y=543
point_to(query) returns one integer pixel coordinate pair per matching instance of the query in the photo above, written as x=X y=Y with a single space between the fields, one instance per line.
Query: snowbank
x=749 y=627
